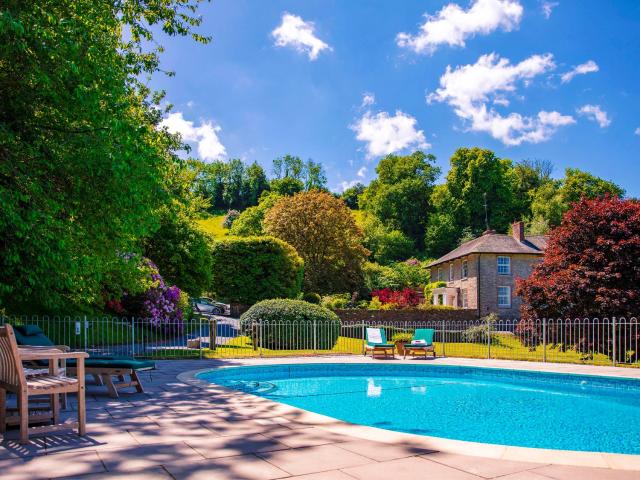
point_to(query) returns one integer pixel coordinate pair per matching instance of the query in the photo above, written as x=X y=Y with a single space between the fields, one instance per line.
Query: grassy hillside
x=213 y=226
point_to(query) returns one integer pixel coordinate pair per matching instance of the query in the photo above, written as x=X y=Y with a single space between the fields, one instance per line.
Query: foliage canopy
x=322 y=230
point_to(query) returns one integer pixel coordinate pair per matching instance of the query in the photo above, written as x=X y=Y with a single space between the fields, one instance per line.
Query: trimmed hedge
x=312 y=297
x=291 y=325
x=247 y=270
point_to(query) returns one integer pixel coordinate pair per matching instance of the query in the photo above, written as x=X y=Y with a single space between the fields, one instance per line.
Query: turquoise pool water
x=529 y=409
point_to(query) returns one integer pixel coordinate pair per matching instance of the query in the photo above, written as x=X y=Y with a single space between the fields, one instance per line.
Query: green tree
x=322 y=230
x=401 y=195
x=250 y=221
x=529 y=175
x=314 y=176
x=247 y=270
x=256 y=182
x=83 y=168
x=386 y=245
x=554 y=197
x=288 y=166
x=351 y=196
x=286 y=186
x=475 y=172
x=182 y=253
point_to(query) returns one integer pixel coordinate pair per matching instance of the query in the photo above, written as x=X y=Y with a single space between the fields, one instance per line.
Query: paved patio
x=178 y=431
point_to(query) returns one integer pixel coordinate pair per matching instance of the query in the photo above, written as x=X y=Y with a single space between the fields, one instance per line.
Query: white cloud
x=362 y=172
x=205 y=135
x=469 y=89
x=345 y=185
x=295 y=32
x=637 y=131
x=547 y=8
x=385 y=134
x=452 y=25
x=368 y=99
x=596 y=114
x=583 y=68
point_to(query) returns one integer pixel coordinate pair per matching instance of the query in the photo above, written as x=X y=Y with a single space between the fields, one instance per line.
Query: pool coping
x=504 y=452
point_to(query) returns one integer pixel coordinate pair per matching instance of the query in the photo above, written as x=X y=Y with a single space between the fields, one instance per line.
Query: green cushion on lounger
x=115 y=362
x=31 y=335
x=425 y=334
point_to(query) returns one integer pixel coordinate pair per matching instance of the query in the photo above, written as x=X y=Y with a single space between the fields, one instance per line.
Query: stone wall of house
x=453 y=277
x=389 y=317
x=490 y=280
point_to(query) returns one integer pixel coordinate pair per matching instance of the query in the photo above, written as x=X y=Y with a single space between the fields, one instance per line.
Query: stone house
x=481 y=273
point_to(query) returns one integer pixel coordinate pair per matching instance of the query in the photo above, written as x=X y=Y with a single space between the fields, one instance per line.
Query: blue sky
x=345 y=82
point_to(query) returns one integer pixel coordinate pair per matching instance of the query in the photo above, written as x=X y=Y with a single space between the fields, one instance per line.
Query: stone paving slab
x=177 y=431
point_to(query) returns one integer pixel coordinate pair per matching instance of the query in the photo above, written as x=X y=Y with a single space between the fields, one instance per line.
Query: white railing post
x=133 y=337
x=444 y=339
x=200 y=336
x=315 y=336
x=260 y=336
x=544 y=339
x=488 y=338
x=363 y=339
x=615 y=341
x=84 y=326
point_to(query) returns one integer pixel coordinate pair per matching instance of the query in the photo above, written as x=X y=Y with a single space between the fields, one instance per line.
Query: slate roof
x=496 y=243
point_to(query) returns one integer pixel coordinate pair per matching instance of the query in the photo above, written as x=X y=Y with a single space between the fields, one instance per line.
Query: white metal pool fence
x=591 y=341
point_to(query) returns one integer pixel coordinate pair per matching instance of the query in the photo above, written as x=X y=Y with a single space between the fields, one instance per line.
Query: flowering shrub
x=229 y=218
x=401 y=298
x=161 y=303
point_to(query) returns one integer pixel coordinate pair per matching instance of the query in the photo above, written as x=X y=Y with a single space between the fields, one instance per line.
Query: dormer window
x=464 y=271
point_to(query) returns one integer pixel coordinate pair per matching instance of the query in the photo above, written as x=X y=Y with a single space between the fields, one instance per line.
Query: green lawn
x=507 y=347
x=213 y=226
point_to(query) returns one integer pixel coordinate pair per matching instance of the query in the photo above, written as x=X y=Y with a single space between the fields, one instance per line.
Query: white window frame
x=439 y=274
x=507 y=264
x=451 y=272
x=464 y=297
x=464 y=270
x=508 y=297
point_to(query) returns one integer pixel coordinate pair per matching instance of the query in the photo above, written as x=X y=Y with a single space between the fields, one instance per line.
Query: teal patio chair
x=376 y=342
x=421 y=343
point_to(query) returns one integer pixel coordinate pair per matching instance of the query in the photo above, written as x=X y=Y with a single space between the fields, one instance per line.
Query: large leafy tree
x=322 y=230
x=292 y=175
x=83 y=167
x=229 y=185
x=351 y=196
x=475 y=175
x=182 y=253
x=400 y=196
x=552 y=198
x=591 y=269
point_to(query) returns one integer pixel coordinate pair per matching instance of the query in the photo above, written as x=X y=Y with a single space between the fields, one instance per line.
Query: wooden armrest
x=64 y=348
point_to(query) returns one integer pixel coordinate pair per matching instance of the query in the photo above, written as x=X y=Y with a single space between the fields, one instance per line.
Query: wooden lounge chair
x=376 y=342
x=421 y=343
x=13 y=379
x=108 y=371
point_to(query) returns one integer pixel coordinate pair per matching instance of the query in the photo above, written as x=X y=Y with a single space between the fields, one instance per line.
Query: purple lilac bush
x=161 y=303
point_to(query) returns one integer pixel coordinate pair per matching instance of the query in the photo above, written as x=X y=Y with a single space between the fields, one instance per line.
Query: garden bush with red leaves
x=591 y=269
x=404 y=298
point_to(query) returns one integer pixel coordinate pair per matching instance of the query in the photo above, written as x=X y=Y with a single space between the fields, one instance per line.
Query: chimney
x=517 y=230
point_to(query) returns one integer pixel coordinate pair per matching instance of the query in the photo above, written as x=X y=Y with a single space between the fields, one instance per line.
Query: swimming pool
x=507 y=407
